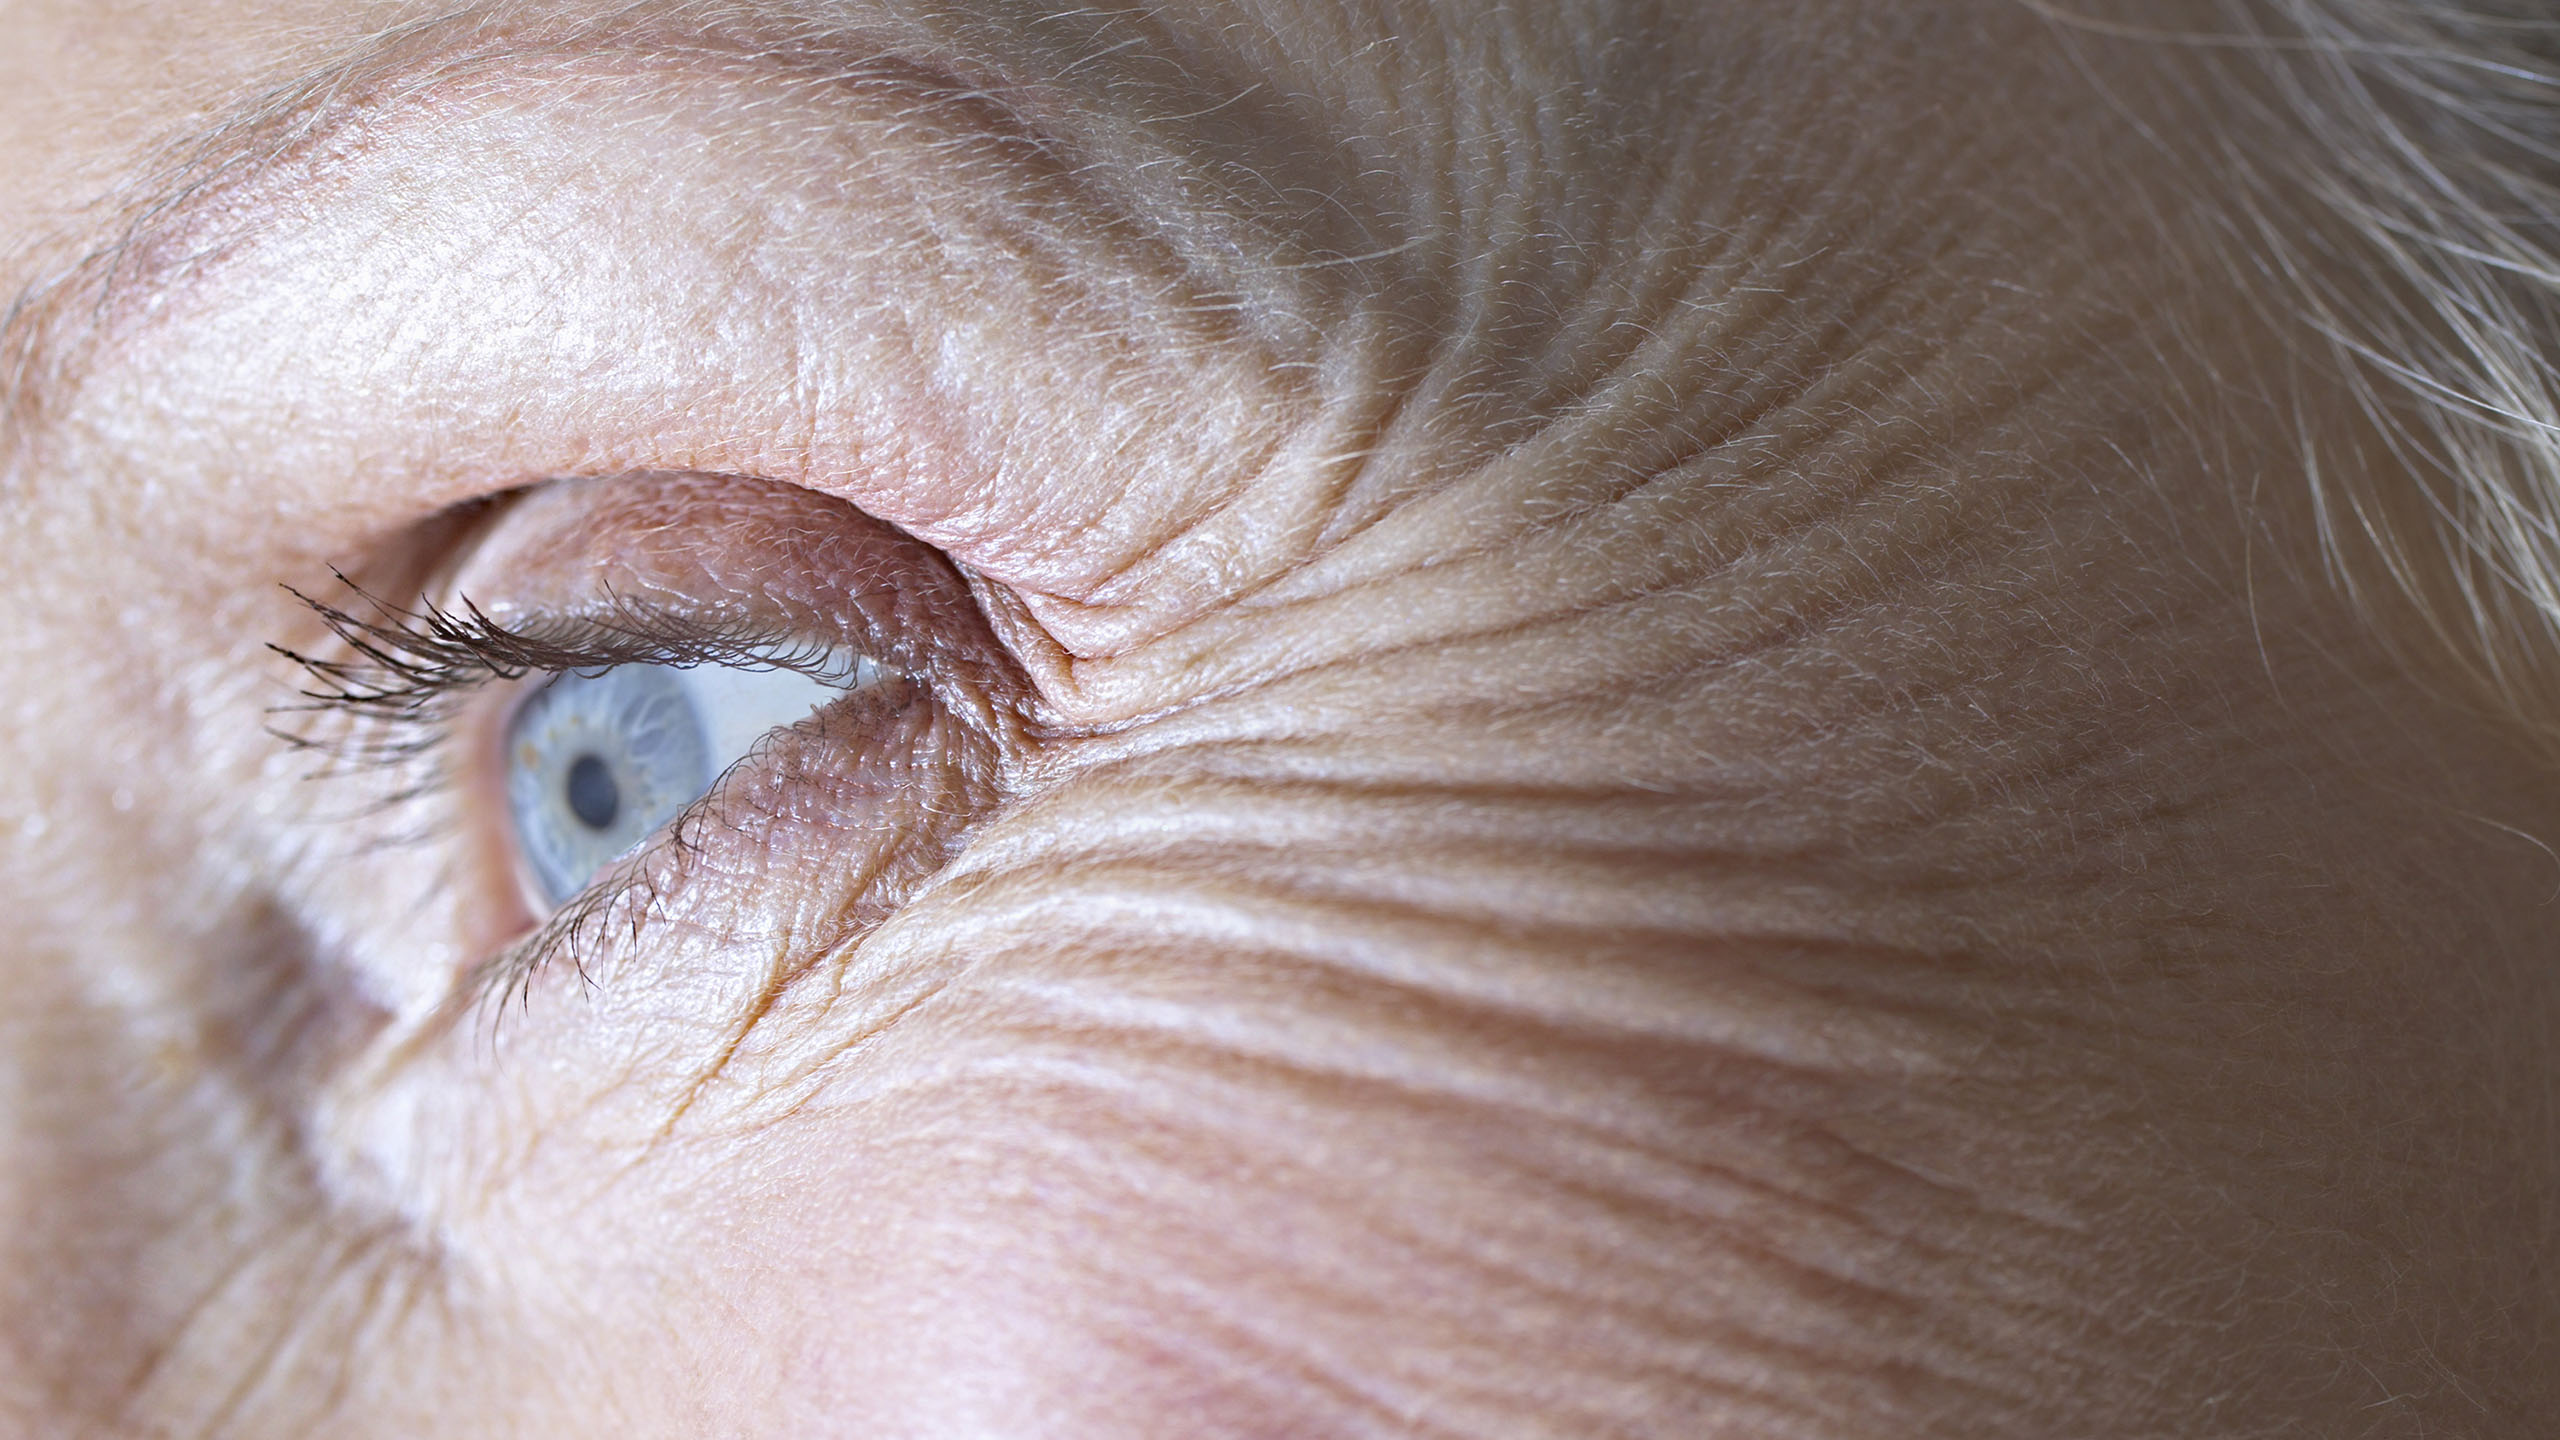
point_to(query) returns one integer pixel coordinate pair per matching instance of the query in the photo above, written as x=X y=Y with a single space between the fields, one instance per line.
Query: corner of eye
x=1044 y=660
x=849 y=670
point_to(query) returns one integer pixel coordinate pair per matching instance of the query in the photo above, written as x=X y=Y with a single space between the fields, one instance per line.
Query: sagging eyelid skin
x=912 y=304
x=1586 y=723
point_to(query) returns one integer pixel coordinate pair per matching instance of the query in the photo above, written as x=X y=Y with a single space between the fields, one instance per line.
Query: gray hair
x=2399 y=164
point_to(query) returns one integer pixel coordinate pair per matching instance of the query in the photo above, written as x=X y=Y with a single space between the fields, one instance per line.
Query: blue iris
x=598 y=761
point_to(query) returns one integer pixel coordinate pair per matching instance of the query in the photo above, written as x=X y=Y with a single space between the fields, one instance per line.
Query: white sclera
x=598 y=761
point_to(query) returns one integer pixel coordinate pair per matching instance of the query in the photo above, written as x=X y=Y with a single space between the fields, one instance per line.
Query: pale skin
x=1616 y=723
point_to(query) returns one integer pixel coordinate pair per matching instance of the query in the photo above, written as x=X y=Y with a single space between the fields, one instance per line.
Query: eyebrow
x=160 y=219
x=136 y=244
x=1032 y=77
x=186 y=199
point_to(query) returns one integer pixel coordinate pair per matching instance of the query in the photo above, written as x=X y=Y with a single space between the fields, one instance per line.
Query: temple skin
x=1650 y=747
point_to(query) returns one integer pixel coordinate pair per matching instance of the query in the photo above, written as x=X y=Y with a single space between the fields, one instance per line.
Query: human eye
x=615 y=704
x=593 y=762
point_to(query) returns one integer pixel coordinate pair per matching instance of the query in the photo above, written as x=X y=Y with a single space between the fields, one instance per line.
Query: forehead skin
x=1683 y=776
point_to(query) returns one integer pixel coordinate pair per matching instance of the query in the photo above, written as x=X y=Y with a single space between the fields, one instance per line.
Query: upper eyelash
x=406 y=666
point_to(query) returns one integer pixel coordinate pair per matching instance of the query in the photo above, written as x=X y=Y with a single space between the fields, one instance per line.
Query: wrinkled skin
x=1633 y=735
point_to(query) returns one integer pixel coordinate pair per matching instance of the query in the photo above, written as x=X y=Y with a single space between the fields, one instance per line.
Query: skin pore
x=1613 y=719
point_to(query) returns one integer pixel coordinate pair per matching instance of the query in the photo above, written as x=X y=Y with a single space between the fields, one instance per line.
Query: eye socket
x=558 y=723
x=597 y=761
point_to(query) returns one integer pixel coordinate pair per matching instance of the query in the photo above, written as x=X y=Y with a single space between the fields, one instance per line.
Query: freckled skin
x=1607 y=747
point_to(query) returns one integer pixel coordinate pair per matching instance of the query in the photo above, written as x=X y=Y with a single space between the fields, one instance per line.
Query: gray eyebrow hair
x=183 y=201
x=137 y=243
x=190 y=198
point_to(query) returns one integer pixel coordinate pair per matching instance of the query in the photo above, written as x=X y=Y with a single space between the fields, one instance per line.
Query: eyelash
x=408 y=674
x=411 y=665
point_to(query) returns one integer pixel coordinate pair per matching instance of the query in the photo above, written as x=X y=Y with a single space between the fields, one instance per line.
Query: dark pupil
x=593 y=797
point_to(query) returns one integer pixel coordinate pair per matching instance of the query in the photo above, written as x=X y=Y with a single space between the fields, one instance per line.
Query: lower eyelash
x=506 y=977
